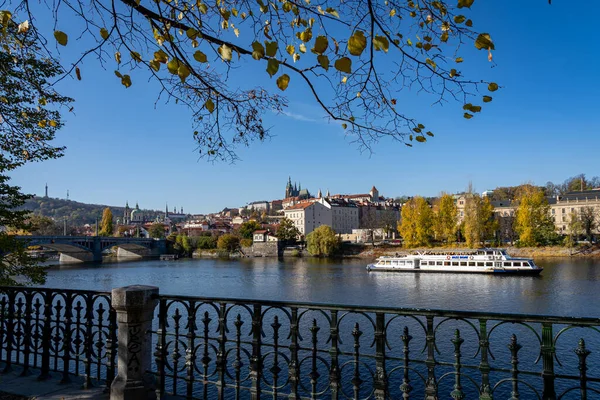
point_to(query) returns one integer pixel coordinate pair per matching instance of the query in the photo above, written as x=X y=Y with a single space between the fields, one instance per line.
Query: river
x=566 y=287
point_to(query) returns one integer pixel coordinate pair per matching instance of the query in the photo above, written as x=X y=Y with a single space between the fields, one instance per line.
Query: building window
x=563 y=210
x=553 y=211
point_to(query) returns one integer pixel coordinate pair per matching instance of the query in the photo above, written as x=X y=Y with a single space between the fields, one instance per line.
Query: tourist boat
x=487 y=261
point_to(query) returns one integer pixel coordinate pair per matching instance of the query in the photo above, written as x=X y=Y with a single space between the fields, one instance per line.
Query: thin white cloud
x=301 y=117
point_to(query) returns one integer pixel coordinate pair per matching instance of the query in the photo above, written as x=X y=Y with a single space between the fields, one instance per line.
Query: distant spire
x=137 y=207
x=174 y=210
x=299 y=186
x=46 y=195
x=67 y=194
x=327 y=193
x=182 y=210
x=319 y=195
x=127 y=204
x=166 y=210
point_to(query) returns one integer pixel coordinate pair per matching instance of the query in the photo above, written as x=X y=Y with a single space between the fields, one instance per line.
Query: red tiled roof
x=300 y=206
x=260 y=231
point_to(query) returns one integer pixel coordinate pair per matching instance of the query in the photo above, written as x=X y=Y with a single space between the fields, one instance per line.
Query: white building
x=307 y=216
x=344 y=214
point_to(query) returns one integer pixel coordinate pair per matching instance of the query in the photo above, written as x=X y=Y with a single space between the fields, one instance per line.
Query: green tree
x=479 y=221
x=106 y=225
x=340 y=51
x=228 y=242
x=588 y=217
x=157 y=230
x=287 y=231
x=247 y=228
x=322 y=242
x=206 y=242
x=416 y=223
x=182 y=245
x=41 y=225
x=446 y=218
x=29 y=119
x=533 y=223
x=574 y=228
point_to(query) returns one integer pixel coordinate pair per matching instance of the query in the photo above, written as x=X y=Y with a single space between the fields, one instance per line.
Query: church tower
x=126 y=214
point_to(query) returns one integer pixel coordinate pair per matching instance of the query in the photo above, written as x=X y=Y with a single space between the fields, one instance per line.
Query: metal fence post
x=135 y=309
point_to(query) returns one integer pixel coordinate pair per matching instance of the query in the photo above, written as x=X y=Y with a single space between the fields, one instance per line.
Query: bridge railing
x=58 y=332
x=230 y=348
x=219 y=348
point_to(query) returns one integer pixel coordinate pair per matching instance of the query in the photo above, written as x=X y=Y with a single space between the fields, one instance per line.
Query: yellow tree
x=533 y=223
x=479 y=222
x=322 y=241
x=446 y=218
x=416 y=223
x=341 y=53
x=106 y=226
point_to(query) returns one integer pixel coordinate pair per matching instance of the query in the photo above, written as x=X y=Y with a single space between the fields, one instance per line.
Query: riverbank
x=529 y=252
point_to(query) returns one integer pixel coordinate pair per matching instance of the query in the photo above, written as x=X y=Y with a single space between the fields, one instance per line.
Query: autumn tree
x=29 y=119
x=533 y=222
x=228 y=242
x=106 y=225
x=479 y=221
x=156 y=230
x=322 y=242
x=247 y=228
x=287 y=231
x=355 y=58
x=574 y=228
x=445 y=218
x=41 y=225
x=416 y=223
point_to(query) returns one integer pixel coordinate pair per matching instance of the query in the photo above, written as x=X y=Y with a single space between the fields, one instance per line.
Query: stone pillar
x=135 y=309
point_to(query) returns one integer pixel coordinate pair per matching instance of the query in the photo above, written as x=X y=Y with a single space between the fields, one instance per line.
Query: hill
x=77 y=213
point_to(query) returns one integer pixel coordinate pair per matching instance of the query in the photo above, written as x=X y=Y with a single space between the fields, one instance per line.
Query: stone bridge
x=76 y=249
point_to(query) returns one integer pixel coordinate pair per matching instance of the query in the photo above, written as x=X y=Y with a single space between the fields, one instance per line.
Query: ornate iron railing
x=226 y=348
x=71 y=332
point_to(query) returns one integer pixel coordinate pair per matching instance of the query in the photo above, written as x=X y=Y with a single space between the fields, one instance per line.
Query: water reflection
x=565 y=287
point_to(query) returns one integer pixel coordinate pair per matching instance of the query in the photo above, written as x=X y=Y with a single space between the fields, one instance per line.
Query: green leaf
x=118 y=74
x=321 y=44
x=155 y=65
x=484 y=41
x=465 y=3
x=344 y=64
x=225 y=52
x=210 y=106
x=271 y=48
x=104 y=33
x=332 y=11
x=272 y=66
x=203 y=8
x=468 y=116
x=381 y=43
x=469 y=23
x=357 y=43
x=459 y=19
x=492 y=87
x=183 y=71
x=429 y=133
x=126 y=81
x=283 y=81
x=305 y=36
x=161 y=57
x=323 y=61
x=135 y=56
x=459 y=59
x=421 y=139
x=173 y=66
x=191 y=33
x=258 y=51
x=444 y=37
x=344 y=126
x=61 y=38
x=290 y=48
x=200 y=56
x=487 y=99
x=431 y=63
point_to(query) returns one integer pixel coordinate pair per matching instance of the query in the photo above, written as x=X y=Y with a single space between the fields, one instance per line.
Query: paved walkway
x=51 y=389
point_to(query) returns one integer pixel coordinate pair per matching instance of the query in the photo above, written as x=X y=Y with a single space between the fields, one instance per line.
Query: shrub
x=228 y=242
x=246 y=242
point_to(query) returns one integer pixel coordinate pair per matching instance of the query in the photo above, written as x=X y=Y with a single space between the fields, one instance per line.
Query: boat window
x=480 y=263
x=447 y=263
x=409 y=262
x=489 y=253
x=516 y=264
x=489 y=264
x=388 y=263
x=526 y=263
x=424 y=262
x=471 y=263
x=394 y=262
x=463 y=263
x=455 y=263
x=438 y=263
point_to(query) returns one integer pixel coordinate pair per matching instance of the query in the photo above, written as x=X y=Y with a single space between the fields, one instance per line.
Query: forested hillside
x=77 y=213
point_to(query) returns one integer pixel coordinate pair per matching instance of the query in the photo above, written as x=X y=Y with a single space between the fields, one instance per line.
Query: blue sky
x=123 y=145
